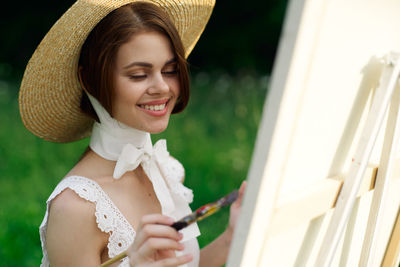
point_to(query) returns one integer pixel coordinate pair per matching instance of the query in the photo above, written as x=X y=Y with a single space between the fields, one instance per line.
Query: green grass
x=213 y=138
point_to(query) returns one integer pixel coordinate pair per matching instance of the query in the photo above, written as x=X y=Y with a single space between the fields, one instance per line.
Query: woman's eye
x=170 y=72
x=137 y=77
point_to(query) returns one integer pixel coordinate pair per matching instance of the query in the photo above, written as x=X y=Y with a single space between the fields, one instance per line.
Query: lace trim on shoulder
x=108 y=217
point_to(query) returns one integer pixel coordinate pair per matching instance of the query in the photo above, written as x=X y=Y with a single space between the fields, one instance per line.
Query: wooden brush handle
x=115 y=259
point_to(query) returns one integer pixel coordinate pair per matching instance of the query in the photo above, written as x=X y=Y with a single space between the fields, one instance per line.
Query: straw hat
x=50 y=91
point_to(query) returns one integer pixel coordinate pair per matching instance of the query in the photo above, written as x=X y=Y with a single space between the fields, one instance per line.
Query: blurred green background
x=213 y=137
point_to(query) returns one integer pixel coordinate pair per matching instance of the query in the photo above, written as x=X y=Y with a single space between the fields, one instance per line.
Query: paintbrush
x=198 y=215
x=205 y=211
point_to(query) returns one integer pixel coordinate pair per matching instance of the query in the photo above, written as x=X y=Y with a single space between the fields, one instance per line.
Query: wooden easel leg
x=352 y=182
x=392 y=254
x=345 y=256
x=385 y=173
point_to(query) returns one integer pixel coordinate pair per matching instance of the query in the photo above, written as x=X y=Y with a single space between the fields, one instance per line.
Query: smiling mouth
x=153 y=107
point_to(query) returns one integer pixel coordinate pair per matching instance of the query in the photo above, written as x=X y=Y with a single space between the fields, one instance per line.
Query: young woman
x=122 y=65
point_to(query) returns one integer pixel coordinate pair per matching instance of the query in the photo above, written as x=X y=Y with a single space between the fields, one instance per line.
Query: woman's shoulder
x=68 y=202
x=74 y=201
x=69 y=214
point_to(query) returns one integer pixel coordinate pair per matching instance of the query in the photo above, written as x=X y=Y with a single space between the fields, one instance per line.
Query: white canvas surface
x=325 y=73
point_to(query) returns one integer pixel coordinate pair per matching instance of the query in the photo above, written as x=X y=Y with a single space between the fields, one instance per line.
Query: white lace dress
x=109 y=220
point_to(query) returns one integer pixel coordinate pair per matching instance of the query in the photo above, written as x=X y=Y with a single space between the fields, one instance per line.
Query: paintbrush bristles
x=229 y=199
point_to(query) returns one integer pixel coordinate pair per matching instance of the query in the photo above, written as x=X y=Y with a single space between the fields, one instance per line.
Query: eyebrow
x=148 y=65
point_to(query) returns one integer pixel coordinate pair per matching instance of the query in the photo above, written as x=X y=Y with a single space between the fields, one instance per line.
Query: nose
x=159 y=85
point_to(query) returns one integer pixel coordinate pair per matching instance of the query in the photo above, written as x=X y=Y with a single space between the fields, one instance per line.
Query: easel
x=388 y=94
x=325 y=194
x=393 y=249
x=319 y=98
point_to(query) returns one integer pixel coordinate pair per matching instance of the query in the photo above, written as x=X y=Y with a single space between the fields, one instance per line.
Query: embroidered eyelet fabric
x=109 y=218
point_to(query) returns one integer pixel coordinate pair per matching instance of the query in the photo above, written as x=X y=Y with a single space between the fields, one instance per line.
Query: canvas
x=330 y=63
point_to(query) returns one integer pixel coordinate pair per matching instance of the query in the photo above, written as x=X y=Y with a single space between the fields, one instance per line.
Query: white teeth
x=153 y=107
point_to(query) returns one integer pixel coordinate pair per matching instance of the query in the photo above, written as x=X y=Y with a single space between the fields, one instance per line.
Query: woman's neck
x=93 y=166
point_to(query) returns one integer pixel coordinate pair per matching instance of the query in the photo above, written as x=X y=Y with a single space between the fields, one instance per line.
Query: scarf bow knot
x=150 y=158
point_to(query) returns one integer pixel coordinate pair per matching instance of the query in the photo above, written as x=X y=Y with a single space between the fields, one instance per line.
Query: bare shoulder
x=72 y=237
x=70 y=203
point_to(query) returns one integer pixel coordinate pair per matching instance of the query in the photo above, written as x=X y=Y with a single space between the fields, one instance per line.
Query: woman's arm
x=216 y=253
x=72 y=237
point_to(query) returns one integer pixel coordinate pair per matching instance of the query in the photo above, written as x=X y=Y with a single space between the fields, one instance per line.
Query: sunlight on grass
x=213 y=138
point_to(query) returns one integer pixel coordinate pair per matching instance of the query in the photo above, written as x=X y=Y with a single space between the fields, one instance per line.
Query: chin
x=156 y=129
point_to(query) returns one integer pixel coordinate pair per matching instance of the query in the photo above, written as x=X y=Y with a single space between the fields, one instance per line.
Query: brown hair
x=97 y=59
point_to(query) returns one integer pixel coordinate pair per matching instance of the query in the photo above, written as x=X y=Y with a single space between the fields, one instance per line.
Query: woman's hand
x=156 y=242
x=236 y=207
x=216 y=253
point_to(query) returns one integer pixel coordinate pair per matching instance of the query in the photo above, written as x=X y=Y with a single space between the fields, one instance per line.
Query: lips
x=155 y=108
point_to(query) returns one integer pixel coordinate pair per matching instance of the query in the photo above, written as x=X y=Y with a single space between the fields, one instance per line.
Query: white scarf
x=130 y=147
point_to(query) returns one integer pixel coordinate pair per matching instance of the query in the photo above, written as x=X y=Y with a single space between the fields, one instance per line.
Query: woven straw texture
x=50 y=91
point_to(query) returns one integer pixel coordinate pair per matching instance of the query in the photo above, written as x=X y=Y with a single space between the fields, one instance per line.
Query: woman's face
x=146 y=82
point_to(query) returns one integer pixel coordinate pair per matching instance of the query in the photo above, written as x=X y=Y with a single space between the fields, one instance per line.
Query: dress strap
x=108 y=217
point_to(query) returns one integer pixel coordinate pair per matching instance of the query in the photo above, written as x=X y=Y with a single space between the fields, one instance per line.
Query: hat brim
x=50 y=91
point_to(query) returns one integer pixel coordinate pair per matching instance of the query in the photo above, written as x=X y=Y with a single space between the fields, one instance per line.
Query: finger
x=154 y=244
x=243 y=187
x=163 y=254
x=150 y=219
x=241 y=193
x=156 y=230
x=156 y=219
x=176 y=261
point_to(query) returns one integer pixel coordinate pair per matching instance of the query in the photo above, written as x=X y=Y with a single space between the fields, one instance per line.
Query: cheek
x=126 y=92
x=176 y=88
x=178 y=91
